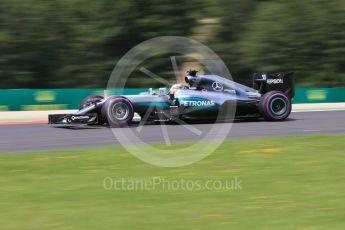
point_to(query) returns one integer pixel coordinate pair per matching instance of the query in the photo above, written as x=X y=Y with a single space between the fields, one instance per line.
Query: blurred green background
x=76 y=43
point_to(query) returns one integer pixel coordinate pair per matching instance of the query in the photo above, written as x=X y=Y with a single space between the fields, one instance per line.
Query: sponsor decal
x=4 y=108
x=197 y=103
x=45 y=96
x=314 y=95
x=275 y=81
x=79 y=117
x=230 y=91
x=216 y=86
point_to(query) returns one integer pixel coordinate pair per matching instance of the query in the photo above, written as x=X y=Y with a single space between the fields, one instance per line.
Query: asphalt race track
x=18 y=138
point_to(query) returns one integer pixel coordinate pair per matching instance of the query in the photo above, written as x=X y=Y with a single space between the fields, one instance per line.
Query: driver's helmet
x=175 y=87
x=173 y=90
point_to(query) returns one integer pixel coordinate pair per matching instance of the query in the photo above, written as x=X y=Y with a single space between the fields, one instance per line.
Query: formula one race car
x=205 y=97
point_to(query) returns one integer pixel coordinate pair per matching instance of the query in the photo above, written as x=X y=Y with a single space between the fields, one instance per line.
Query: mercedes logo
x=217 y=86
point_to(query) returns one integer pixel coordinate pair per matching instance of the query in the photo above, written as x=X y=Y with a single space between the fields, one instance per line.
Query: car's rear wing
x=265 y=82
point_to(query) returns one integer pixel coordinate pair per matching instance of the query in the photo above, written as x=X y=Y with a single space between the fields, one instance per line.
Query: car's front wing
x=64 y=119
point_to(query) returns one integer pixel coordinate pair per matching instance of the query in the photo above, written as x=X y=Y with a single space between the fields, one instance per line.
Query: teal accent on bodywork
x=153 y=104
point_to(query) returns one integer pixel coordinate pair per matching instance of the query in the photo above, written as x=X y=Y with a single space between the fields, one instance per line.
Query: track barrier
x=67 y=99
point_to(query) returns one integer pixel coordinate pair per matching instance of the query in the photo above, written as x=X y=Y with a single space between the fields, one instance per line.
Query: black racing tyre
x=118 y=111
x=275 y=106
x=90 y=100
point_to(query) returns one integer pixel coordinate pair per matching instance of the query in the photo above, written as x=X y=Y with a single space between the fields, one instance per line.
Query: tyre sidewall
x=265 y=106
x=107 y=112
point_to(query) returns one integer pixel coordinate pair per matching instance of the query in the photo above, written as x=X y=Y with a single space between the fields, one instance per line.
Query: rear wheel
x=118 y=111
x=275 y=106
x=91 y=100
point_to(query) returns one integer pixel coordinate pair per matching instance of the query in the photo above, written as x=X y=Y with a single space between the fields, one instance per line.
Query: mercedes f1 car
x=205 y=97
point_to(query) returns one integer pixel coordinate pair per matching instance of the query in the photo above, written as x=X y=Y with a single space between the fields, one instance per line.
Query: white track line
x=316 y=110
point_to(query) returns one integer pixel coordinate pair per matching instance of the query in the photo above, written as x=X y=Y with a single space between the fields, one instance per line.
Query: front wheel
x=275 y=106
x=118 y=111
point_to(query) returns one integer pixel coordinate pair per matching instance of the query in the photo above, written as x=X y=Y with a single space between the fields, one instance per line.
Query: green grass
x=287 y=183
